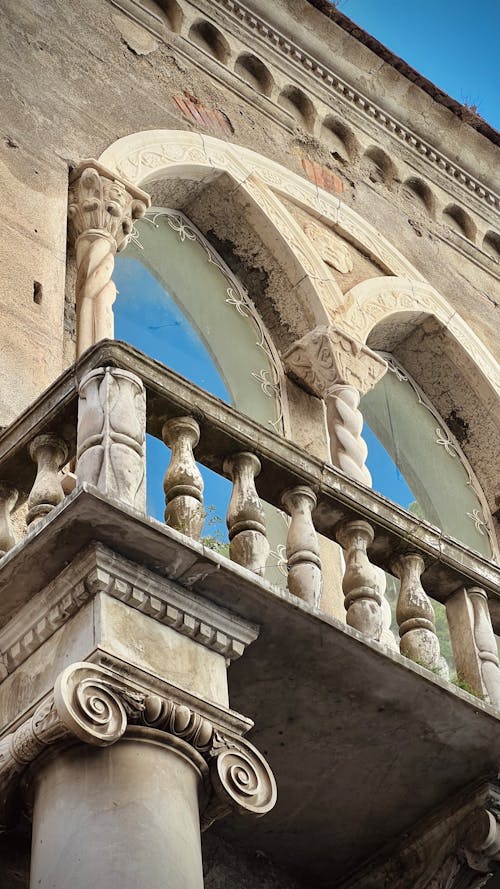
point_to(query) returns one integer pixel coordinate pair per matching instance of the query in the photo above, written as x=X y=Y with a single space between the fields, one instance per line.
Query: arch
x=414 y=322
x=378 y=165
x=150 y=154
x=339 y=138
x=457 y=219
x=173 y=13
x=491 y=244
x=254 y=72
x=388 y=308
x=404 y=301
x=210 y=39
x=418 y=191
x=293 y=100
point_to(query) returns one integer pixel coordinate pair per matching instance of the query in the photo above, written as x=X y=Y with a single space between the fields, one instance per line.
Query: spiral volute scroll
x=91 y=708
x=243 y=781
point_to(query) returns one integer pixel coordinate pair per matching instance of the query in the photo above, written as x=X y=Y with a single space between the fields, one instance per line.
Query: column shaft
x=120 y=817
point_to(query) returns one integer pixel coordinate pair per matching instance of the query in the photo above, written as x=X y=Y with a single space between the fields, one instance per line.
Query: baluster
x=50 y=454
x=474 y=644
x=245 y=517
x=415 y=614
x=302 y=546
x=183 y=484
x=361 y=582
x=8 y=498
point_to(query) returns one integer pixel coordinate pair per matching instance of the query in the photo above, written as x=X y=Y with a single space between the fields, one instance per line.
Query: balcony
x=368 y=746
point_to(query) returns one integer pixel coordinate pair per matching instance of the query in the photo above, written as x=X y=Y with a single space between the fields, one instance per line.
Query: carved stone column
x=333 y=366
x=127 y=815
x=101 y=213
x=132 y=749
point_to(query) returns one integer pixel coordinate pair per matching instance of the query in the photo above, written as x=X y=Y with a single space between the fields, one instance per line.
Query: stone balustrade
x=95 y=417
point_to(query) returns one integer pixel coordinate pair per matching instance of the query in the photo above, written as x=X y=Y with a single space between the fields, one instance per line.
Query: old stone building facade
x=243 y=229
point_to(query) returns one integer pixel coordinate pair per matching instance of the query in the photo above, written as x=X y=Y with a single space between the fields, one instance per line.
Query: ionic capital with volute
x=101 y=214
x=334 y=366
x=90 y=704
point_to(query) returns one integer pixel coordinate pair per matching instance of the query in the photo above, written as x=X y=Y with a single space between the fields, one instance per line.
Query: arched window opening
x=416 y=461
x=179 y=302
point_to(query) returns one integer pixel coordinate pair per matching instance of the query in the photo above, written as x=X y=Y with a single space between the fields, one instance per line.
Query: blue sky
x=452 y=42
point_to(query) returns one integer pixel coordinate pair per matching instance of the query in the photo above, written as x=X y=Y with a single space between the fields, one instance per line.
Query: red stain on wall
x=322 y=176
x=207 y=118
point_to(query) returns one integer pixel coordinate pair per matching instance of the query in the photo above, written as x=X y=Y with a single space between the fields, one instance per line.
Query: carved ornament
x=327 y=357
x=99 y=201
x=91 y=705
x=332 y=249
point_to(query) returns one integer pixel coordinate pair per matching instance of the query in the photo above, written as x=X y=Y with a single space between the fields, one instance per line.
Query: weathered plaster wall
x=96 y=81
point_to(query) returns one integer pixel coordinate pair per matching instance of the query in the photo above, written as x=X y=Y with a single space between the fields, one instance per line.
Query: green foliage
x=215 y=539
x=461 y=683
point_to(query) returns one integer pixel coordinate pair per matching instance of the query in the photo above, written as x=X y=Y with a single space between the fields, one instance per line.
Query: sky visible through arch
x=453 y=43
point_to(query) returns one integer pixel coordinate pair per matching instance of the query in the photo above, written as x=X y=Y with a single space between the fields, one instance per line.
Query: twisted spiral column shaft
x=95 y=290
x=345 y=423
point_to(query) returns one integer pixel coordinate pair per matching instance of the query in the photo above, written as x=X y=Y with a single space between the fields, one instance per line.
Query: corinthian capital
x=101 y=214
x=100 y=202
x=327 y=357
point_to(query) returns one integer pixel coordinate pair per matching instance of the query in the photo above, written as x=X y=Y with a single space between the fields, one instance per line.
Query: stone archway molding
x=372 y=301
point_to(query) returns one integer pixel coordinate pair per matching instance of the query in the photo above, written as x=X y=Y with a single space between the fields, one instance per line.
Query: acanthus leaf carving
x=101 y=213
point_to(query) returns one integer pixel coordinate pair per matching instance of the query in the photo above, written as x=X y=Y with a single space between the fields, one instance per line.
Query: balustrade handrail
x=224 y=431
x=96 y=415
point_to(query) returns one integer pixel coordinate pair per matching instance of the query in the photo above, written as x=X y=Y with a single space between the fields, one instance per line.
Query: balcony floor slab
x=363 y=743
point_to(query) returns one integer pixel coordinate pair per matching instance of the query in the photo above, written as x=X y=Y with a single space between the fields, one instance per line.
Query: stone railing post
x=183 y=483
x=50 y=454
x=302 y=545
x=361 y=583
x=112 y=433
x=101 y=213
x=245 y=518
x=415 y=614
x=474 y=644
x=333 y=366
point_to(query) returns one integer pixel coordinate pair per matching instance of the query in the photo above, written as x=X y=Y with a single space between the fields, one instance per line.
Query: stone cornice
x=371 y=116
x=355 y=99
x=98 y=570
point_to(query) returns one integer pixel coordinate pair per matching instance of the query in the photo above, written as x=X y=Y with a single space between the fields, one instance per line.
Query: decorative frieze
x=332 y=249
x=112 y=434
x=99 y=570
x=308 y=65
x=101 y=214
